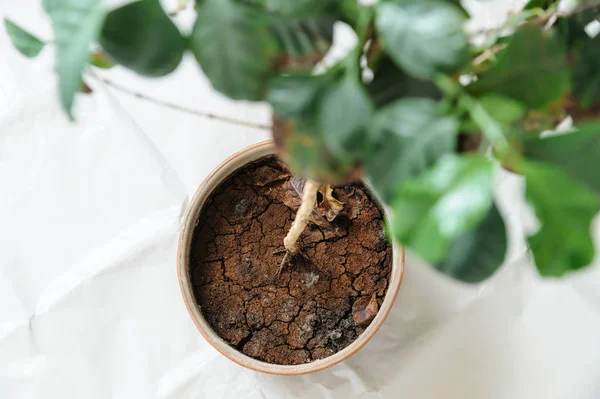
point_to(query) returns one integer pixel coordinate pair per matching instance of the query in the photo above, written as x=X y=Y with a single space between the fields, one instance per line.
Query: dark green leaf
x=301 y=43
x=571 y=28
x=291 y=96
x=76 y=25
x=423 y=37
x=531 y=69
x=586 y=71
x=344 y=114
x=300 y=140
x=458 y=3
x=412 y=135
x=565 y=209
x=295 y=7
x=141 y=37
x=544 y=4
x=431 y=211
x=391 y=83
x=27 y=44
x=576 y=153
x=477 y=254
x=233 y=46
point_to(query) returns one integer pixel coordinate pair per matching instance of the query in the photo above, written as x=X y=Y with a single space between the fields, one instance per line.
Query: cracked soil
x=305 y=313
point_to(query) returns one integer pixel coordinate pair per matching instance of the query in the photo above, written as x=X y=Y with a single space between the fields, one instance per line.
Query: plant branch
x=181 y=108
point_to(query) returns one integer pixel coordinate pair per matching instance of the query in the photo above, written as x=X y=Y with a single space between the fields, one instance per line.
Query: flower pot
x=189 y=222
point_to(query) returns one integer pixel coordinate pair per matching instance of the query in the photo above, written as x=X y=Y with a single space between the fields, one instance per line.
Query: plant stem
x=181 y=108
x=309 y=198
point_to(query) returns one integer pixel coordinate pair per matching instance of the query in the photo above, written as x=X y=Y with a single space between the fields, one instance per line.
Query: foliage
x=27 y=44
x=402 y=109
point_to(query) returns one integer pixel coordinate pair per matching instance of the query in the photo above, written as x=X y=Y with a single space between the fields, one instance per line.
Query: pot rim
x=188 y=225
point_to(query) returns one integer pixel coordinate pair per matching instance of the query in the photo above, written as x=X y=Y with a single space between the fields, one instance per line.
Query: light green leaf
x=423 y=37
x=141 y=37
x=576 y=153
x=477 y=254
x=344 y=115
x=412 y=134
x=531 y=69
x=504 y=109
x=565 y=209
x=453 y=197
x=76 y=25
x=391 y=83
x=233 y=46
x=27 y=44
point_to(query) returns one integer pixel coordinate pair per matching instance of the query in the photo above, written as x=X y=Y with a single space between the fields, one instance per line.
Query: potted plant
x=421 y=112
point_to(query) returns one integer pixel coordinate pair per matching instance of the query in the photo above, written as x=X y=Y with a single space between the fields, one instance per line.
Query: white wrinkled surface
x=89 y=301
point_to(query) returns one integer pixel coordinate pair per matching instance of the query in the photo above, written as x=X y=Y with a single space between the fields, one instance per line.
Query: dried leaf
x=329 y=207
x=297 y=184
x=364 y=310
x=266 y=175
x=85 y=88
x=294 y=188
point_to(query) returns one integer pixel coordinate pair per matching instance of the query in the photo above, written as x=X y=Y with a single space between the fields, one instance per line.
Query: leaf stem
x=181 y=108
x=491 y=128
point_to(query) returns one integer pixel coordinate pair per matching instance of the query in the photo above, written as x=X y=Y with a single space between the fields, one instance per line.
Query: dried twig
x=181 y=108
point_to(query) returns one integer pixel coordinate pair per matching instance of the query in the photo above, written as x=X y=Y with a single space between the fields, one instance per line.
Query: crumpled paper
x=89 y=300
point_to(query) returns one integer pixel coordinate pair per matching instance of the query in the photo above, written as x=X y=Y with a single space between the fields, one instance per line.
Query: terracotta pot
x=230 y=165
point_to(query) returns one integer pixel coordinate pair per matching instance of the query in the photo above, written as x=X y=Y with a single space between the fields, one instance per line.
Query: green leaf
x=391 y=83
x=296 y=99
x=344 y=114
x=565 y=209
x=544 y=4
x=423 y=37
x=586 y=71
x=27 y=44
x=575 y=153
x=531 y=69
x=302 y=147
x=101 y=60
x=295 y=7
x=292 y=96
x=76 y=25
x=233 y=46
x=301 y=43
x=477 y=254
x=141 y=37
x=504 y=109
x=412 y=135
x=571 y=27
x=431 y=211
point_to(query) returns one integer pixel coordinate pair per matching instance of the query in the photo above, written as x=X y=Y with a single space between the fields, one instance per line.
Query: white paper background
x=89 y=301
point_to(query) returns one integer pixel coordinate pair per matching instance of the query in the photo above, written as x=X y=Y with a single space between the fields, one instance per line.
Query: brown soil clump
x=305 y=313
